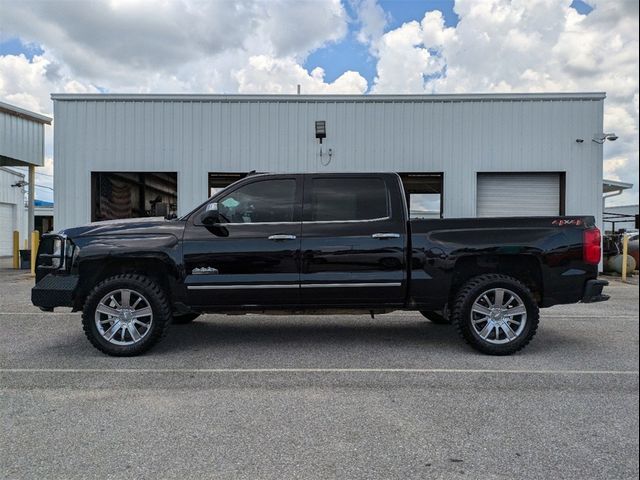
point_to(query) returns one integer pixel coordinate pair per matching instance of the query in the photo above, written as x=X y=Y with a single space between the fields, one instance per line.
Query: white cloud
x=265 y=74
x=373 y=21
x=526 y=46
x=181 y=45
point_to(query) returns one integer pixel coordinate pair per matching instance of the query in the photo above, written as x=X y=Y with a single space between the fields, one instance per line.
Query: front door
x=353 y=241
x=250 y=259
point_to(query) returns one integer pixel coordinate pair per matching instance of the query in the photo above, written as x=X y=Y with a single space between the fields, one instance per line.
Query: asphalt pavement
x=320 y=397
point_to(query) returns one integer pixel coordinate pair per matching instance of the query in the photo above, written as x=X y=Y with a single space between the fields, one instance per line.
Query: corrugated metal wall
x=13 y=215
x=459 y=136
x=21 y=139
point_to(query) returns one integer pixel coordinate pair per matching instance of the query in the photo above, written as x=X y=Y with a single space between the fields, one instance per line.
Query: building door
x=353 y=241
x=520 y=194
x=7 y=226
x=251 y=258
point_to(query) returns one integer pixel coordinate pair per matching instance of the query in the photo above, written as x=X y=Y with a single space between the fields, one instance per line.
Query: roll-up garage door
x=6 y=229
x=518 y=194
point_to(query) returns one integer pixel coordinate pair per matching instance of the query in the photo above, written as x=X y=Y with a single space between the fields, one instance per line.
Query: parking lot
x=320 y=397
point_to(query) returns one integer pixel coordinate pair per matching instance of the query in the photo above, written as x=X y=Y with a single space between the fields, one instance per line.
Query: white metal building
x=459 y=155
x=12 y=211
x=21 y=144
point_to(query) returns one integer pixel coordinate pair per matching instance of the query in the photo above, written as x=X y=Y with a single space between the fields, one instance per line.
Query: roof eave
x=26 y=114
x=303 y=98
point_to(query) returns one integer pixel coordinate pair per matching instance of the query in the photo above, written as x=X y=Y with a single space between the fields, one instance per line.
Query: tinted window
x=266 y=201
x=348 y=199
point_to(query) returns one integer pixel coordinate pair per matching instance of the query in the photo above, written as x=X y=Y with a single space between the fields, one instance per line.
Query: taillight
x=591 y=250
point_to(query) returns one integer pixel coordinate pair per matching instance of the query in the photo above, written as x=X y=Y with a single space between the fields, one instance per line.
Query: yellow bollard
x=625 y=253
x=16 y=249
x=35 y=243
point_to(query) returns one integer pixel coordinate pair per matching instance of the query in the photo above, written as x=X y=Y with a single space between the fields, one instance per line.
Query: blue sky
x=350 y=54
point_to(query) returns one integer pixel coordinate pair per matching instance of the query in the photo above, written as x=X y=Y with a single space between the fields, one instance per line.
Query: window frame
x=308 y=198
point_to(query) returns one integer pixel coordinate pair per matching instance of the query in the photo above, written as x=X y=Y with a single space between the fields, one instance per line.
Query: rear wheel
x=125 y=315
x=496 y=314
x=185 y=318
x=435 y=317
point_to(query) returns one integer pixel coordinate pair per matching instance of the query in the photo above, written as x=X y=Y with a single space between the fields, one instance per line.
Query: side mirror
x=210 y=216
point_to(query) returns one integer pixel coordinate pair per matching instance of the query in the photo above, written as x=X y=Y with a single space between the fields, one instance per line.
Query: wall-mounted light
x=321 y=130
x=602 y=137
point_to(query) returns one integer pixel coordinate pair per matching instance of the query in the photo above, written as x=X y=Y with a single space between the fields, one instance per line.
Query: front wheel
x=125 y=315
x=496 y=314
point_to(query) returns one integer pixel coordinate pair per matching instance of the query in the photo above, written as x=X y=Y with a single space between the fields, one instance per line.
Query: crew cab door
x=250 y=258
x=353 y=241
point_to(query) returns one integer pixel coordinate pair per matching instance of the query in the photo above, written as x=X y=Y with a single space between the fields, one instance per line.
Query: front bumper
x=593 y=291
x=54 y=291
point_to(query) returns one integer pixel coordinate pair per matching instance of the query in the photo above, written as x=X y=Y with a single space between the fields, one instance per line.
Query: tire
x=135 y=321
x=435 y=317
x=185 y=318
x=492 y=329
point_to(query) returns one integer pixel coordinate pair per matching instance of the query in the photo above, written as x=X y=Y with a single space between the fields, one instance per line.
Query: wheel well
x=522 y=267
x=94 y=271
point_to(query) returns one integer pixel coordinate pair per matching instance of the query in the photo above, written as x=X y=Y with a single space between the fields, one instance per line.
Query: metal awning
x=611 y=186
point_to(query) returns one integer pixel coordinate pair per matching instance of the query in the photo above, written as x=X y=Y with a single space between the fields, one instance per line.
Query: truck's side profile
x=304 y=243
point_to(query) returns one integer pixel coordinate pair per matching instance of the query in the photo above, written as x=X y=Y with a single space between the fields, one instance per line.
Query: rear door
x=353 y=241
x=253 y=257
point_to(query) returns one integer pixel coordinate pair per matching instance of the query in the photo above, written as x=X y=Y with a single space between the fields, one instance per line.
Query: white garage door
x=526 y=194
x=6 y=229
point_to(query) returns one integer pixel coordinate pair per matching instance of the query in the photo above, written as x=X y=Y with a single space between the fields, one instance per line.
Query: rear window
x=343 y=199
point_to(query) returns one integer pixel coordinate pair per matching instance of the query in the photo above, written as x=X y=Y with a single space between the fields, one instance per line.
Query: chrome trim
x=239 y=287
x=305 y=285
x=348 y=221
x=281 y=237
x=340 y=285
x=379 y=219
x=204 y=271
x=224 y=224
x=382 y=236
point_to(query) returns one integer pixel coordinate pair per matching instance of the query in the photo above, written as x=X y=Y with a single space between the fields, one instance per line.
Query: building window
x=218 y=180
x=423 y=192
x=116 y=195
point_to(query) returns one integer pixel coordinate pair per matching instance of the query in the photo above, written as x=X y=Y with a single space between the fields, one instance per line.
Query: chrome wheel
x=498 y=316
x=123 y=317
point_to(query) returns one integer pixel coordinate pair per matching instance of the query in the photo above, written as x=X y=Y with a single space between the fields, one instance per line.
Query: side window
x=341 y=199
x=265 y=201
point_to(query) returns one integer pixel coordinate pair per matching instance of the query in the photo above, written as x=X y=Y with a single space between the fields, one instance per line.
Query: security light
x=321 y=130
x=600 y=138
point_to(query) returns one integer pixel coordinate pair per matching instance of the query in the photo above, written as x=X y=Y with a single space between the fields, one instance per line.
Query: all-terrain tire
x=185 y=318
x=461 y=314
x=154 y=295
x=435 y=317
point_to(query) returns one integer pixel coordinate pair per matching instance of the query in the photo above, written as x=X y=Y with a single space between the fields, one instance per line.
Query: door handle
x=382 y=236
x=282 y=237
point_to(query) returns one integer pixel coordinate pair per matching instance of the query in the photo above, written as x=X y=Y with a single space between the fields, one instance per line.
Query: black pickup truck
x=318 y=243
